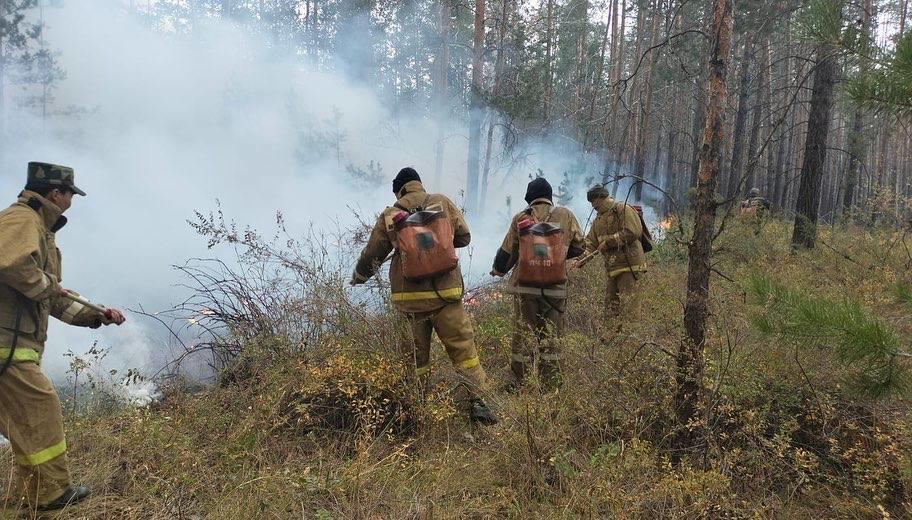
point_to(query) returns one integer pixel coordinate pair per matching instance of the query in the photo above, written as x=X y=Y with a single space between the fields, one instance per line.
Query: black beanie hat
x=539 y=188
x=405 y=175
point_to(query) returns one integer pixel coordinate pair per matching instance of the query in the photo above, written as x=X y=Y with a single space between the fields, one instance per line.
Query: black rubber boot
x=71 y=495
x=480 y=413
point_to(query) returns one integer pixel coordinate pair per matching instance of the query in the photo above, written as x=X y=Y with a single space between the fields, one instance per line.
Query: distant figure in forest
x=754 y=204
x=30 y=292
x=423 y=230
x=539 y=241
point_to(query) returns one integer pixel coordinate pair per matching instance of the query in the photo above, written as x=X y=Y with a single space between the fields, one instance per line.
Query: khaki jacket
x=618 y=226
x=407 y=295
x=508 y=254
x=30 y=274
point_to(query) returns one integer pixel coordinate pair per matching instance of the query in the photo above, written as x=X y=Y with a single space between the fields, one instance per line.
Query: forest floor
x=335 y=431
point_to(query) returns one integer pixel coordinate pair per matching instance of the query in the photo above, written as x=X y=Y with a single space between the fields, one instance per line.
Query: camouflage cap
x=53 y=175
x=597 y=192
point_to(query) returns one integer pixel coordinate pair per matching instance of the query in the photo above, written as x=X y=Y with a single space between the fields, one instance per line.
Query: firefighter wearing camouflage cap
x=30 y=292
x=616 y=233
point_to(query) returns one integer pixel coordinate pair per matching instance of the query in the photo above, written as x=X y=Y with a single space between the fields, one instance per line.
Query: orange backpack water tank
x=425 y=244
x=542 y=254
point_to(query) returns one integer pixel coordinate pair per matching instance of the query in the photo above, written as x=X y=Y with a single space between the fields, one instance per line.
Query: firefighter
x=30 y=291
x=754 y=203
x=432 y=304
x=754 y=208
x=538 y=310
x=616 y=233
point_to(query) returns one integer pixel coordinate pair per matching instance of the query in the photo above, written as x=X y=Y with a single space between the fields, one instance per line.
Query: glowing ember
x=665 y=225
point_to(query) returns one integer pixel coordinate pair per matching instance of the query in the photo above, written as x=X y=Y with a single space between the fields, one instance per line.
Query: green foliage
x=887 y=88
x=822 y=22
x=862 y=342
x=903 y=292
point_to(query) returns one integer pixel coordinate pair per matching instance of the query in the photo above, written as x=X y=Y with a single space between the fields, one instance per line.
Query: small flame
x=666 y=224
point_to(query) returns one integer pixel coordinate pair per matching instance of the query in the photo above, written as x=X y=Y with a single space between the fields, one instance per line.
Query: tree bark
x=549 y=64
x=699 y=118
x=441 y=85
x=756 y=118
x=807 y=207
x=644 y=114
x=856 y=140
x=690 y=362
x=733 y=178
x=476 y=117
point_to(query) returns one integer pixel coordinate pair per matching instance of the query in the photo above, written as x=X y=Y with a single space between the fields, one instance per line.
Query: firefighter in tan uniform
x=538 y=311
x=616 y=233
x=30 y=291
x=433 y=304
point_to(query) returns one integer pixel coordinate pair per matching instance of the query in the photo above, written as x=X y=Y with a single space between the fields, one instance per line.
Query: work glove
x=113 y=317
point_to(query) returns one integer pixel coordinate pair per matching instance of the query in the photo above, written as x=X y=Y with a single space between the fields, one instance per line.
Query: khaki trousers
x=30 y=417
x=454 y=328
x=620 y=287
x=538 y=322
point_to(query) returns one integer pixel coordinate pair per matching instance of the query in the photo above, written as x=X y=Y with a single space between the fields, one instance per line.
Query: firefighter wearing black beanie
x=404 y=176
x=539 y=188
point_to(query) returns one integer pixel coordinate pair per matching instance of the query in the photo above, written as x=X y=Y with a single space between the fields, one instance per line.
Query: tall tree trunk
x=754 y=140
x=804 y=233
x=441 y=85
x=476 y=115
x=733 y=178
x=699 y=100
x=597 y=77
x=2 y=85
x=690 y=363
x=499 y=66
x=645 y=113
x=581 y=21
x=856 y=139
x=549 y=64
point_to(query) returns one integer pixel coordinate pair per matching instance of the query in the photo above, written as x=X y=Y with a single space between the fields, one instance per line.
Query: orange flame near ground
x=666 y=224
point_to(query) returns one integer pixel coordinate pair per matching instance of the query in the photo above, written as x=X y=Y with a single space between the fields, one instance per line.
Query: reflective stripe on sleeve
x=70 y=313
x=40 y=457
x=39 y=289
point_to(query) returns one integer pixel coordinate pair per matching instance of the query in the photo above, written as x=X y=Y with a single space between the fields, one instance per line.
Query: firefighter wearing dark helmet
x=30 y=291
x=538 y=306
x=434 y=303
x=616 y=233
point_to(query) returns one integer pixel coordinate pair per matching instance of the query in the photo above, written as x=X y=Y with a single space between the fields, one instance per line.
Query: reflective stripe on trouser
x=454 y=328
x=622 y=286
x=452 y=293
x=537 y=325
x=20 y=354
x=30 y=417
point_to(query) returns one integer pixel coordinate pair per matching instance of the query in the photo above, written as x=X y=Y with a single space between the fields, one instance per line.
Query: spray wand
x=79 y=299
x=583 y=260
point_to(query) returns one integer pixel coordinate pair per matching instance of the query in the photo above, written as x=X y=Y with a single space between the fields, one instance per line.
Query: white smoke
x=174 y=121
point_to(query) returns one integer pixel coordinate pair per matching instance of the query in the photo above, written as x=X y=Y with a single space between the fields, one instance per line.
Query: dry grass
x=786 y=440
